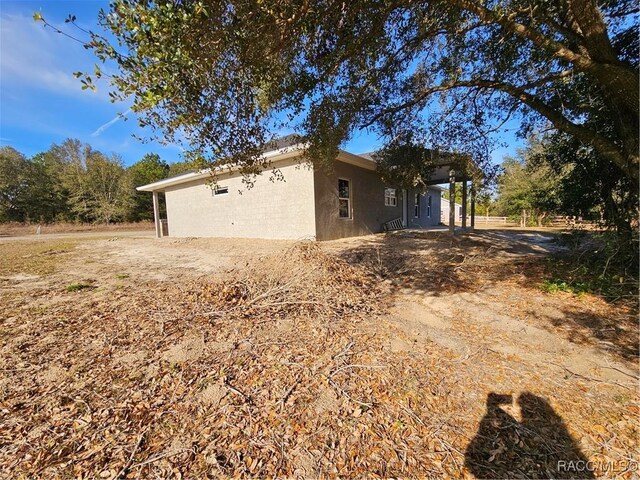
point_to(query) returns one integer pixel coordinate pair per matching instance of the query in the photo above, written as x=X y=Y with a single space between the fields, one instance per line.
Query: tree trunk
x=540 y=218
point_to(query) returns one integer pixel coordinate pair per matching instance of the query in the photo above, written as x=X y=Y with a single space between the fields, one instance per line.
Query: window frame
x=348 y=199
x=416 y=205
x=388 y=198
x=220 y=190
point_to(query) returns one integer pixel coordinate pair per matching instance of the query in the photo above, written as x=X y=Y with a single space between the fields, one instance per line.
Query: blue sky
x=41 y=103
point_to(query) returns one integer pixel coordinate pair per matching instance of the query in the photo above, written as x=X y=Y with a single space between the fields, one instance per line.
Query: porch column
x=452 y=202
x=156 y=215
x=473 y=205
x=464 y=202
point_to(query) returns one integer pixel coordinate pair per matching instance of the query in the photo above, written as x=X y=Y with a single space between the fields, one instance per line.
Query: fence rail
x=484 y=219
x=555 y=221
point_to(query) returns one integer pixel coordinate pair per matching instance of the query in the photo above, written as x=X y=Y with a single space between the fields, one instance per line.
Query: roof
x=443 y=163
x=288 y=147
x=286 y=151
x=282 y=142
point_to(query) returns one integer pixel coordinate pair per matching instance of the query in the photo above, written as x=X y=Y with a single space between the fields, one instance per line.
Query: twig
x=622 y=371
x=237 y=392
x=131 y=457
x=345 y=350
x=345 y=367
x=349 y=397
x=289 y=391
x=414 y=416
x=161 y=456
x=584 y=377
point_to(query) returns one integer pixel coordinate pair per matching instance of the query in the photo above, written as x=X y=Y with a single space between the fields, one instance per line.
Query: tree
x=49 y=195
x=223 y=75
x=590 y=186
x=98 y=187
x=71 y=157
x=150 y=168
x=185 y=166
x=14 y=185
x=109 y=189
x=528 y=186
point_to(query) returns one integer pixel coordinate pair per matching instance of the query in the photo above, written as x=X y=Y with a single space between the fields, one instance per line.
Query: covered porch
x=458 y=171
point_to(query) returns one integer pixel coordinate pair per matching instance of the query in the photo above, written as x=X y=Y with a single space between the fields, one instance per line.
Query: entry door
x=405 y=208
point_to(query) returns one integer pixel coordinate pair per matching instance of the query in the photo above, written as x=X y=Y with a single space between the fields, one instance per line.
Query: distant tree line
x=554 y=175
x=72 y=182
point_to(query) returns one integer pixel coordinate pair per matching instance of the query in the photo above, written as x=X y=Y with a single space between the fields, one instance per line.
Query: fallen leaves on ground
x=281 y=367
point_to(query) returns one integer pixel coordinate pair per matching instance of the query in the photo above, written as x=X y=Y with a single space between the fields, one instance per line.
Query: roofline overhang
x=279 y=155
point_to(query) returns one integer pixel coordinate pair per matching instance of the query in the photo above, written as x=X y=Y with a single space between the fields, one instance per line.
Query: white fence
x=486 y=220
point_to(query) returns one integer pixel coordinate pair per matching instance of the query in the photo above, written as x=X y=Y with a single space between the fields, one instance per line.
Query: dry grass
x=20 y=229
x=285 y=366
x=33 y=258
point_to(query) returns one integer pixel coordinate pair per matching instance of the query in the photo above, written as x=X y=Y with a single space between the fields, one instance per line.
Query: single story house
x=307 y=203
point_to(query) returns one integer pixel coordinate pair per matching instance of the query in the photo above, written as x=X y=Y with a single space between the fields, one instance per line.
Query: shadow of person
x=492 y=452
x=555 y=453
x=539 y=446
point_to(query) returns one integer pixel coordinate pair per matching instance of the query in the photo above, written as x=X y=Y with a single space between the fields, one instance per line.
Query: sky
x=41 y=103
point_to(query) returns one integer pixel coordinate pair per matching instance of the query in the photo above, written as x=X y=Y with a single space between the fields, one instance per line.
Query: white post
x=156 y=215
x=464 y=202
x=452 y=202
x=473 y=205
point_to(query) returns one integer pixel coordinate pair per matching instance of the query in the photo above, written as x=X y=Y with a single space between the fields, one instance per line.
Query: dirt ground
x=409 y=354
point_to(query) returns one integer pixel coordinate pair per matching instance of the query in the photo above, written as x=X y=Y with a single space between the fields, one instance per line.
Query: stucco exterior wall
x=424 y=221
x=271 y=209
x=367 y=201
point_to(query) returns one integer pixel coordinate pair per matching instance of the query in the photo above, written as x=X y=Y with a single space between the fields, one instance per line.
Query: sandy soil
x=464 y=320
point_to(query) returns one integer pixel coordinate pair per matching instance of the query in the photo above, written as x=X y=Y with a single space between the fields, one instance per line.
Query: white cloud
x=34 y=57
x=105 y=126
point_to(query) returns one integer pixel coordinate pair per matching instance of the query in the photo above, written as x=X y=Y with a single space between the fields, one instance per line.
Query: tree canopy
x=528 y=183
x=224 y=76
x=72 y=182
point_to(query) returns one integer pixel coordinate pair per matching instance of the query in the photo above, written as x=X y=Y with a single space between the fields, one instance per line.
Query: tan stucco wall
x=369 y=210
x=271 y=209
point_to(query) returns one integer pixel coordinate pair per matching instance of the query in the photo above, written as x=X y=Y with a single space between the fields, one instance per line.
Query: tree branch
x=620 y=82
x=603 y=145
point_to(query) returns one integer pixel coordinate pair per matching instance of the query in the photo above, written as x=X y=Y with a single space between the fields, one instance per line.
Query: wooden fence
x=484 y=220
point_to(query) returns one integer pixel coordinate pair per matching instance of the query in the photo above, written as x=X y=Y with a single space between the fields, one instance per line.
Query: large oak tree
x=224 y=75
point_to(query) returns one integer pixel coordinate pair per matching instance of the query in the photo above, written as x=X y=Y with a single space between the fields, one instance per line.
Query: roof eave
x=281 y=154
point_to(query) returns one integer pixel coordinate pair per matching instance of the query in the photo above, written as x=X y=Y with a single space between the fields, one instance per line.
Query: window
x=429 y=206
x=416 y=206
x=344 y=198
x=219 y=190
x=390 y=197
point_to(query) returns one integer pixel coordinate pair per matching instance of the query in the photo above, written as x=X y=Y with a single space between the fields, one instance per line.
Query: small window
x=416 y=206
x=429 y=206
x=390 y=197
x=220 y=190
x=344 y=198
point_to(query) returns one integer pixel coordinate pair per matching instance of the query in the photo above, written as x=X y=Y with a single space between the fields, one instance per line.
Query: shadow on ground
x=437 y=264
x=537 y=446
